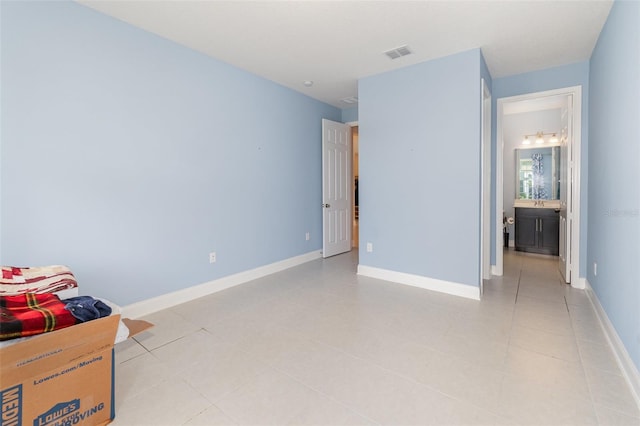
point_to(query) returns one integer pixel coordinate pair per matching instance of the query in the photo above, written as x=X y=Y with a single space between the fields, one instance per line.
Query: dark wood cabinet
x=537 y=230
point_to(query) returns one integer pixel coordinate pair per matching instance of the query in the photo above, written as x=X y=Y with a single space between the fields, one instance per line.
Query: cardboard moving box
x=62 y=378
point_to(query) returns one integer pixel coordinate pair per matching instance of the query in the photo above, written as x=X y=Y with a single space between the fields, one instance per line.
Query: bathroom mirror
x=538 y=173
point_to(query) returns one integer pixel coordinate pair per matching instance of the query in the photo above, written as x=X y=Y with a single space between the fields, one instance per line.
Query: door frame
x=576 y=143
x=354 y=243
x=485 y=186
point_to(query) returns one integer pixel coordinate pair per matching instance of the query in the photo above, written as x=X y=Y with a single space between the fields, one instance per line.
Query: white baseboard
x=494 y=271
x=626 y=364
x=579 y=283
x=427 y=283
x=155 y=304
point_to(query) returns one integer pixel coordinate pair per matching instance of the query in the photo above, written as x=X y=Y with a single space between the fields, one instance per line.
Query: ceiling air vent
x=398 y=52
x=350 y=100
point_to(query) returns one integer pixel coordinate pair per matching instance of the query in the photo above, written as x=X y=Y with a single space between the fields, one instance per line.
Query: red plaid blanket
x=28 y=314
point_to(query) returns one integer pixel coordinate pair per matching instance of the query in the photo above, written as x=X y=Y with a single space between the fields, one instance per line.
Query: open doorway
x=563 y=106
x=356 y=211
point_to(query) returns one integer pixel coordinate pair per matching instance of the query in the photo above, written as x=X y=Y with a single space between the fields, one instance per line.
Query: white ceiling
x=333 y=43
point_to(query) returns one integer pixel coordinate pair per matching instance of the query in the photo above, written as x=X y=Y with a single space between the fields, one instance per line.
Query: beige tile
x=589 y=330
x=556 y=322
x=426 y=326
x=420 y=405
x=383 y=348
x=575 y=297
x=168 y=403
x=200 y=347
x=212 y=308
x=353 y=382
x=267 y=312
x=277 y=346
x=317 y=344
x=583 y=313
x=276 y=399
x=168 y=326
x=326 y=412
x=310 y=324
x=553 y=345
x=371 y=391
x=355 y=420
x=599 y=356
x=554 y=373
x=211 y=416
x=234 y=331
x=128 y=349
x=224 y=373
x=544 y=292
x=527 y=403
x=488 y=346
x=138 y=375
x=611 y=391
x=375 y=314
x=544 y=307
x=462 y=378
x=547 y=324
x=302 y=359
x=609 y=417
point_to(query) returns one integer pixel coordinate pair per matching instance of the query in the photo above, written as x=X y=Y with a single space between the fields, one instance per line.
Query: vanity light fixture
x=539 y=138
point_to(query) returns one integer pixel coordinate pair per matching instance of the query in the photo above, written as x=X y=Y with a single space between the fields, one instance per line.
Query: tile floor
x=319 y=345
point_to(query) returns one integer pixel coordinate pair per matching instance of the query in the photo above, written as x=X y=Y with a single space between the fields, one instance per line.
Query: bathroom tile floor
x=319 y=345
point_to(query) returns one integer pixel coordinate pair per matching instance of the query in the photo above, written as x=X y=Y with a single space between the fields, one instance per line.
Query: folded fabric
x=86 y=308
x=40 y=279
x=30 y=314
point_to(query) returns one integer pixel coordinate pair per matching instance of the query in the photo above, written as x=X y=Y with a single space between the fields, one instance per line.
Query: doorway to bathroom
x=560 y=110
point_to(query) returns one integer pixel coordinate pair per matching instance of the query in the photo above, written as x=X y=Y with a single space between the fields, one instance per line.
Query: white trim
x=576 y=280
x=158 y=303
x=494 y=270
x=498 y=268
x=576 y=91
x=352 y=123
x=448 y=287
x=579 y=283
x=485 y=184
x=628 y=368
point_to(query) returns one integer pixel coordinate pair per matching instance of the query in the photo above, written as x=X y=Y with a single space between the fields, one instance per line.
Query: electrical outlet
x=307 y=236
x=212 y=257
x=595 y=269
x=369 y=247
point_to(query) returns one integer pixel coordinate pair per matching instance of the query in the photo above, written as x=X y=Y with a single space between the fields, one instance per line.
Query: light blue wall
x=130 y=158
x=349 y=115
x=614 y=172
x=419 y=130
x=576 y=74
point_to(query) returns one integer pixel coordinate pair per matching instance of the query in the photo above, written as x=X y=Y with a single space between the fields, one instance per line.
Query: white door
x=336 y=188
x=566 y=172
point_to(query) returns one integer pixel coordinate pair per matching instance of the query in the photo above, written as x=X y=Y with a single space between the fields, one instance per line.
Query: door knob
x=326 y=206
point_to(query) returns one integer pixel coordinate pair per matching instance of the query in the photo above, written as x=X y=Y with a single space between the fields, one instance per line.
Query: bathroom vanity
x=537 y=230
